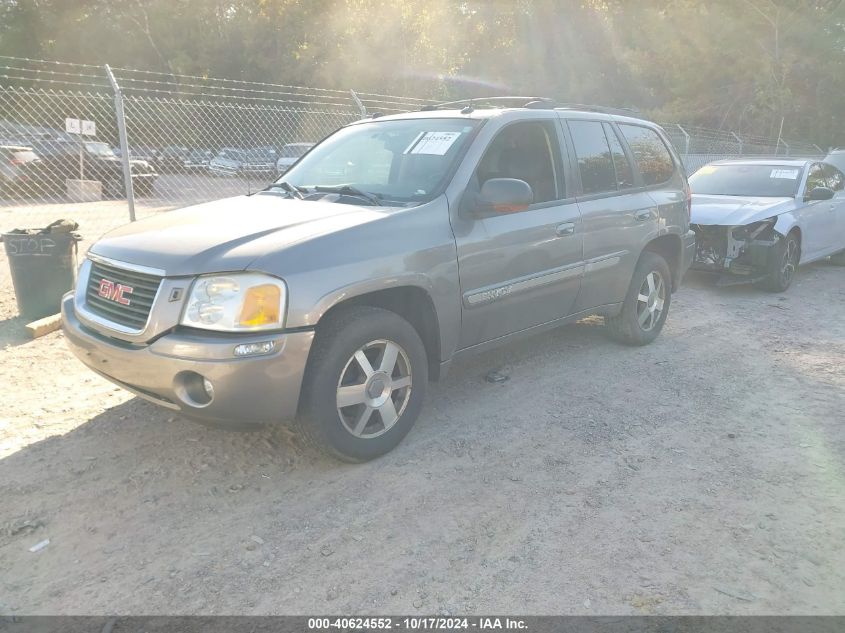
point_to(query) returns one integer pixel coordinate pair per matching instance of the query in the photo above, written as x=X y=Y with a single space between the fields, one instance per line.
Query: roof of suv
x=489 y=113
x=490 y=107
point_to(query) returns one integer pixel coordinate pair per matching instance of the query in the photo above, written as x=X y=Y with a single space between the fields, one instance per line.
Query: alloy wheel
x=651 y=301
x=789 y=262
x=374 y=389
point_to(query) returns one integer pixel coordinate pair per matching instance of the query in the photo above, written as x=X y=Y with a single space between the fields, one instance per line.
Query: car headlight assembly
x=238 y=302
x=754 y=230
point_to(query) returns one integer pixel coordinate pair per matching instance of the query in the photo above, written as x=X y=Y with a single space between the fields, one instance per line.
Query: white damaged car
x=755 y=220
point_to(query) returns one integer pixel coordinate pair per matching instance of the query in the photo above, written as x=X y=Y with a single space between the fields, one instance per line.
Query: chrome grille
x=144 y=288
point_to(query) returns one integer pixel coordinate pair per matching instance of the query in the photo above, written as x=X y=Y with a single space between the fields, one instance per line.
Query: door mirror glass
x=504 y=195
x=821 y=193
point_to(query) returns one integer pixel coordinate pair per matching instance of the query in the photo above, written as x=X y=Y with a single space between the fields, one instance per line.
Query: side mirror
x=821 y=193
x=504 y=195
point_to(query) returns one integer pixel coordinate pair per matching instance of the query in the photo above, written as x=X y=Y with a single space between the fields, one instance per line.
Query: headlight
x=751 y=231
x=240 y=302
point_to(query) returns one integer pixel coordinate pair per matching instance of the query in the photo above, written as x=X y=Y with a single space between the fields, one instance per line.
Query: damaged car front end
x=739 y=254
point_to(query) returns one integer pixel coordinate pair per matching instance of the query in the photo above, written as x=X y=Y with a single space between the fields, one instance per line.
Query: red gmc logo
x=115 y=292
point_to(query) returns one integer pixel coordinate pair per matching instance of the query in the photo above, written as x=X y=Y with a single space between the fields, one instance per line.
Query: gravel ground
x=700 y=475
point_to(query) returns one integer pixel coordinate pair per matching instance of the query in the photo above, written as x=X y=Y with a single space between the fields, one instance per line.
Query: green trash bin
x=43 y=266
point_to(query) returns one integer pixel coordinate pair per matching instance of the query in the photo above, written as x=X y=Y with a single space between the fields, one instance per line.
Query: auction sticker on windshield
x=789 y=174
x=437 y=143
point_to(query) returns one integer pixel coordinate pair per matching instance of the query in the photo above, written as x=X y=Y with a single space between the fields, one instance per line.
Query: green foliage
x=744 y=65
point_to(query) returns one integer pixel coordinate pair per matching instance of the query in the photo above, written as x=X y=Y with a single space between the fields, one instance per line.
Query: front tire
x=783 y=264
x=646 y=305
x=364 y=385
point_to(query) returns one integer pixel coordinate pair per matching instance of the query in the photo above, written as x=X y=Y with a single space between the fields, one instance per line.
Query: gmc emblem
x=115 y=292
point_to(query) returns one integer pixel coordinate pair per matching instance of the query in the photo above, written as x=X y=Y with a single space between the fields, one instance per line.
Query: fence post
x=686 y=142
x=738 y=140
x=359 y=103
x=124 y=144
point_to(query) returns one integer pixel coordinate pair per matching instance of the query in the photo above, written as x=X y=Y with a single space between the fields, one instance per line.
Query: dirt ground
x=703 y=474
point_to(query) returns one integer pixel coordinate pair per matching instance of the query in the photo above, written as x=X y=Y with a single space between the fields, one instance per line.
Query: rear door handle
x=568 y=228
x=643 y=215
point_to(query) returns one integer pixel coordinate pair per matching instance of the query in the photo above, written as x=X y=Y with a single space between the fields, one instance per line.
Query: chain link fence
x=699 y=146
x=104 y=146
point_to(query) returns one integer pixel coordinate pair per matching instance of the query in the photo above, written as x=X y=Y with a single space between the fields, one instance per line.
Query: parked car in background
x=227 y=162
x=262 y=160
x=757 y=220
x=171 y=159
x=98 y=162
x=16 y=163
x=198 y=159
x=290 y=154
x=138 y=152
x=231 y=161
x=393 y=247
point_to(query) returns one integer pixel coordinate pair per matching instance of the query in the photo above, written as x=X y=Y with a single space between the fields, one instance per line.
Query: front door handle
x=643 y=215
x=567 y=228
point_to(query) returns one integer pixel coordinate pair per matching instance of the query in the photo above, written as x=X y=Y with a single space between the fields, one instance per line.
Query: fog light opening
x=194 y=389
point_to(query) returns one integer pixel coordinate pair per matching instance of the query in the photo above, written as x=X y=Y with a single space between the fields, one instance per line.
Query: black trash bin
x=43 y=266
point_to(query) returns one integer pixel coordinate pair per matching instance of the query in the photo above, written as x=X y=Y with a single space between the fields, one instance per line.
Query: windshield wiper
x=293 y=190
x=352 y=191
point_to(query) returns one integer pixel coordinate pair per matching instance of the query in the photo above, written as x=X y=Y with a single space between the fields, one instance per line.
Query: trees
x=738 y=64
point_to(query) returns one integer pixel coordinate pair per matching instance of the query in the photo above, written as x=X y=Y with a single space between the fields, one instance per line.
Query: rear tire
x=646 y=305
x=364 y=385
x=783 y=264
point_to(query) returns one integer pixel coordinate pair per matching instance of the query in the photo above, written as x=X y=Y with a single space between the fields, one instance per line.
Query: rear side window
x=650 y=153
x=594 y=158
x=624 y=172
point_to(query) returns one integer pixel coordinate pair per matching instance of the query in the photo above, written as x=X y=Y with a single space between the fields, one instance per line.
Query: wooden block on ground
x=44 y=326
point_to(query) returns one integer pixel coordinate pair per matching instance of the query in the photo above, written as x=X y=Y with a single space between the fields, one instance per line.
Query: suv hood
x=736 y=210
x=228 y=235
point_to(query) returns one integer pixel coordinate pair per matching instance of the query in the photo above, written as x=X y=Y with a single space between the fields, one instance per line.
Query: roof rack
x=621 y=111
x=480 y=102
x=534 y=103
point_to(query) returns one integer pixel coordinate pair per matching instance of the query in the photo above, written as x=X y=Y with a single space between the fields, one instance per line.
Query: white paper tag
x=788 y=174
x=436 y=143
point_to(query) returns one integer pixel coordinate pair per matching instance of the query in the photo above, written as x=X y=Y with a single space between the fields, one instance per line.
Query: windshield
x=100 y=149
x=404 y=160
x=766 y=181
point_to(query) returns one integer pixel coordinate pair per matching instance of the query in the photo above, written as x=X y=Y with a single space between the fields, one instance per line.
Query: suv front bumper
x=246 y=390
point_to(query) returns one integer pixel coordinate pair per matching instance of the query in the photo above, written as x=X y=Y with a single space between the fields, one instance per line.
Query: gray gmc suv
x=393 y=247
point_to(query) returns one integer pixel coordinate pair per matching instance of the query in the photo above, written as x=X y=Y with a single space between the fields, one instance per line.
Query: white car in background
x=290 y=154
x=755 y=220
x=231 y=161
